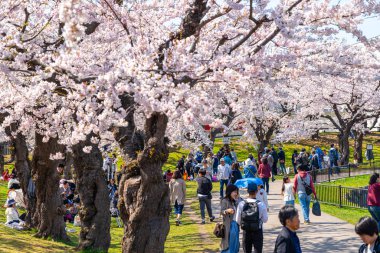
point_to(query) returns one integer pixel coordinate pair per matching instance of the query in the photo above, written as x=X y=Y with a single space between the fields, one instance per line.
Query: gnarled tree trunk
x=344 y=146
x=93 y=192
x=144 y=200
x=358 y=146
x=24 y=171
x=67 y=171
x=49 y=210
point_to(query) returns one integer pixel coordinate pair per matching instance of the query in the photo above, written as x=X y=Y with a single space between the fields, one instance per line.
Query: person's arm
x=312 y=187
x=259 y=170
x=264 y=212
x=281 y=245
x=266 y=199
x=295 y=183
x=238 y=212
x=184 y=190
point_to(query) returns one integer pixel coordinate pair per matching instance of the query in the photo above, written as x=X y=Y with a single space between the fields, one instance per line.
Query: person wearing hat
x=251 y=214
x=207 y=168
x=204 y=195
x=13 y=180
x=11 y=212
x=224 y=172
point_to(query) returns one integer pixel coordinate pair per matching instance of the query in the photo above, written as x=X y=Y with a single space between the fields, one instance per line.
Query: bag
x=308 y=188
x=250 y=218
x=316 y=209
x=219 y=230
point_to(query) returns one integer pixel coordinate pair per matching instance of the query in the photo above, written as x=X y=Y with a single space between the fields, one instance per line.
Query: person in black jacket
x=287 y=241
x=368 y=231
x=204 y=195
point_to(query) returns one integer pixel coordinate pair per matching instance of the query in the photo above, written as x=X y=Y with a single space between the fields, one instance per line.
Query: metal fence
x=342 y=196
x=339 y=195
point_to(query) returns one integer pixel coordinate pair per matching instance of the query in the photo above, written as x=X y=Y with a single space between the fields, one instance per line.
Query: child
x=368 y=231
x=287 y=191
x=13 y=218
x=262 y=196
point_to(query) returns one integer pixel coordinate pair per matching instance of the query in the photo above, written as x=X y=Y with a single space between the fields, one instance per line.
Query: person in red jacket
x=303 y=185
x=265 y=172
x=373 y=198
x=6 y=175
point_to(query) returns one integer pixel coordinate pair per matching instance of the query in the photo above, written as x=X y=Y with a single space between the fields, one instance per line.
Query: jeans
x=375 y=213
x=205 y=202
x=178 y=208
x=289 y=202
x=283 y=169
x=222 y=183
x=305 y=205
x=266 y=183
x=253 y=238
x=295 y=168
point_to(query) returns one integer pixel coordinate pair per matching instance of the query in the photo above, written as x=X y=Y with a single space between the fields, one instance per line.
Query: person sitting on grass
x=287 y=241
x=14 y=220
x=368 y=231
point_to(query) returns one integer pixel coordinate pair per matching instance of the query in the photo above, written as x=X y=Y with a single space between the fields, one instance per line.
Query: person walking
x=274 y=154
x=287 y=191
x=223 y=176
x=230 y=243
x=303 y=185
x=215 y=164
x=368 y=231
x=320 y=154
x=287 y=241
x=264 y=173
x=177 y=189
x=234 y=155
x=373 y=198
x=207 y=168
x=294 y=161
x=235 y=173
x=281 y=159
x=204 y=195
x=251 y=215
x=333 y=155
x=314 y=162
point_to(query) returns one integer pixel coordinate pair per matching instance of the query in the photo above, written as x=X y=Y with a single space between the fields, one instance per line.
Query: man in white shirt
x=224 y=172
x=246 y=217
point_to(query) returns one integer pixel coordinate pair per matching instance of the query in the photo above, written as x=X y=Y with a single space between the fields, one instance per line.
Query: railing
x=327 y=175
x=342 y=196
x=339 y=195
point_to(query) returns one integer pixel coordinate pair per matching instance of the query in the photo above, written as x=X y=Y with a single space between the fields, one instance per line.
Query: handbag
x=219 y=230
x=308 y=188
x=316 y=209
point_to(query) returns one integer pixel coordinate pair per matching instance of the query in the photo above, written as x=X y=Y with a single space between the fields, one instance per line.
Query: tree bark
x=358 y=146
x=93 y=192
x=67 y=171
x=49 y=208
x=24 y=172
x=144 y=200
x=2 y=161
x=344 y=146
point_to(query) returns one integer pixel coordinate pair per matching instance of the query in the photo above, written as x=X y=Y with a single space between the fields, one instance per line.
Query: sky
x=370 y=28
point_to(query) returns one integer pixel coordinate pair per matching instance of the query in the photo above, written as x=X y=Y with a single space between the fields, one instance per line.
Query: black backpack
x=303 y=159
x=250 y=218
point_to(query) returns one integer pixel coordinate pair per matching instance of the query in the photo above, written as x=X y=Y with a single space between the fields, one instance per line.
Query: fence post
x=328 y=173
x=349 y=170
x=340 y=196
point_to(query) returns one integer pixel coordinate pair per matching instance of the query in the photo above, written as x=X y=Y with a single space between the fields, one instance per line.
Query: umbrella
x=243 y=183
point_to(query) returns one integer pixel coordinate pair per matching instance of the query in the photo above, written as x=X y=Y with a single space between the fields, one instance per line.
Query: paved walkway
x=325 y=234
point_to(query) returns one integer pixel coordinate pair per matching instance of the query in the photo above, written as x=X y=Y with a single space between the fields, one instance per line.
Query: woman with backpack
x=230 y=243
x=303 y=185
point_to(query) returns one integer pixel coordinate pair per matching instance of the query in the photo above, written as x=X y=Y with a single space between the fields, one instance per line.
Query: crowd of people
x=248 y=216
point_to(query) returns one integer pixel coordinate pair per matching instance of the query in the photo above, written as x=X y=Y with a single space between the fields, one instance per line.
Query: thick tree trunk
x=2 y=160
x=263 y=144
x=23 y=167
x=50 y=210
x=358 y=146
x=67 y=171
x=144 y=200
x=344 y=146
x=24 y=174
x=93 y=192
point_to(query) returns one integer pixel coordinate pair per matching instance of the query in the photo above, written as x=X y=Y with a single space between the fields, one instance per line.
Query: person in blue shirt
x=288 y=241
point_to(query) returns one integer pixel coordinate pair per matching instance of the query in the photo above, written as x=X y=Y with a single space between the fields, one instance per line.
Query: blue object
x=243 y=183
x=250 y=171
x=234 y=243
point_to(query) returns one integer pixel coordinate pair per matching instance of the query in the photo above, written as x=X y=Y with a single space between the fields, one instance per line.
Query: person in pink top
x=265 y=172
x=373 y=198
x=303 y=185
